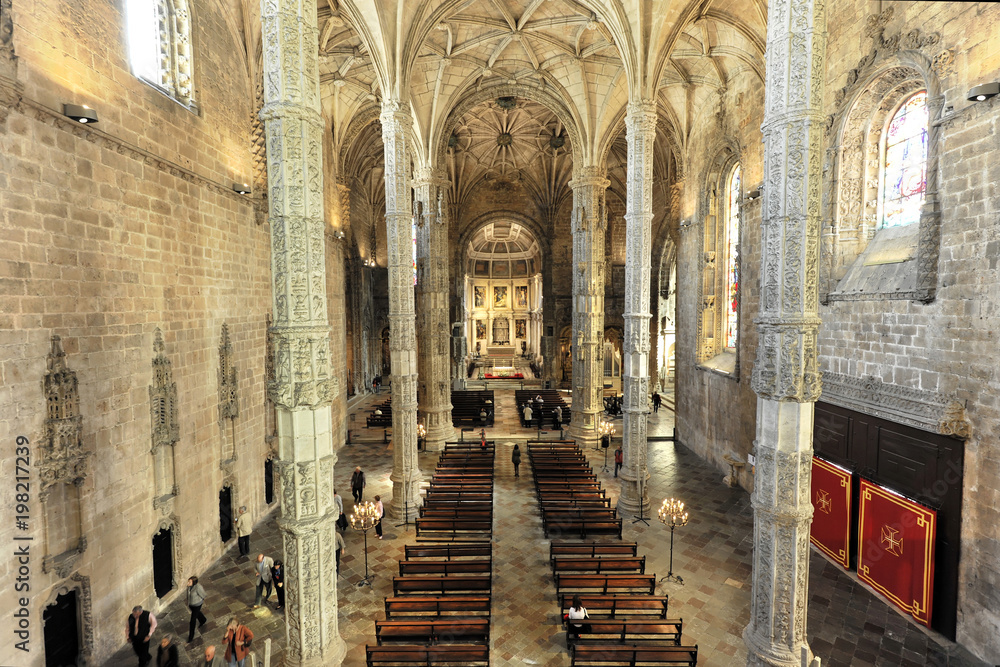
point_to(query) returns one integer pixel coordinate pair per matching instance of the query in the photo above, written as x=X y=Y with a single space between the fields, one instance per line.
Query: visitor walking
x=238 y=639
x=656 y=401
x=139 y=627
x=358 y=484
x=166 y=655
x=262 y=576
x=195 y=598
x=557 y=418
x=278 y=577
x=211 y=659
x=619 y=456
x=379 y=511
x=341 y=549
x=244 y=527
x=515 y=458
x=527 y=415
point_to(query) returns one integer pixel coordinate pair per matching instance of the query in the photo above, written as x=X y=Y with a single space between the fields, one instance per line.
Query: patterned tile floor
x=848 y=625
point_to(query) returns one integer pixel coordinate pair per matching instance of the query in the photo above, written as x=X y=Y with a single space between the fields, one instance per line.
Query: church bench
x=453 y=527
x=437 y=605
x=468 y=446
x=469 y=477
x=441 y=585
x=434 y=630
x=600 y=565
x=626 y=629
x=570 y=494
x=379 y=421
x=434 y=512
x=566 y=476
x=449 y=551
x=583 y=527
x=442 y=654
x=622 y=604
x=635 y=656
x=593 y=549
x=409 y=567
x=481 y=466
x=481 y=506
x=604 y=583
x=454 y=495
x=566 y=484
x=577 y=503
x=555 y=515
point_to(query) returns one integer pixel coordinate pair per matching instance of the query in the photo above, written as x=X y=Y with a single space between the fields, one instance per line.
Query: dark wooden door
x=163 y=562
x=226 y=513
x=269 y=481
x=62 y=632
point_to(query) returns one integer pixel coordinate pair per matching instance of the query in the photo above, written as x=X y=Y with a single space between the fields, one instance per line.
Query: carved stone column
x=785 y=375
x=640 y=133
x=405 y=475
x=303 y=386
x=589 y=225
x=430 y=191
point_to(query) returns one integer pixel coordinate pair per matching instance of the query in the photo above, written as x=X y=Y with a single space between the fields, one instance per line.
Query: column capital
x=589 y=177
x=424 y=176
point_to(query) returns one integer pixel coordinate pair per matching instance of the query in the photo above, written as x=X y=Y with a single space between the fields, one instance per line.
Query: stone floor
x=848 y=625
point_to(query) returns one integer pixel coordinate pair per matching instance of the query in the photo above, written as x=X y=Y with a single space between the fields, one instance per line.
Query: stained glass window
x=732 y=256
x=904 y=177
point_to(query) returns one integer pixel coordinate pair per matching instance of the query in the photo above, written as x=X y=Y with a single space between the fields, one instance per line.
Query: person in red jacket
x=238 y=639
x=618 y=459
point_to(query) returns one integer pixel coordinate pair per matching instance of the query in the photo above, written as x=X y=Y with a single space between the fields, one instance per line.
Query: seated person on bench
x=576 y=612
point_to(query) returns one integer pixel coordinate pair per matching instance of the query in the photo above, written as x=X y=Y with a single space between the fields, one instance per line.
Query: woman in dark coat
x=278 y=577
x=515 y=458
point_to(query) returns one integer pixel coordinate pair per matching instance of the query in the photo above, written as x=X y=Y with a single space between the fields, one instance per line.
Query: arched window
x=904 y=171
x=159 y=41
x=732 y=317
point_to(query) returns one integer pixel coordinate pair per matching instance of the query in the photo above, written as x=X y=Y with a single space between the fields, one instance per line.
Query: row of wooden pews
x=383 y=420
x=627 y=622
x=550 y=399
x=439 y=613
x=467 y=408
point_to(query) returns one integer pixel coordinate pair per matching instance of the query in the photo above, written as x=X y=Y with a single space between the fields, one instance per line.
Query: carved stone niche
x=164 y=427
x=229 y=400
x=62 y=464
x=925 y=410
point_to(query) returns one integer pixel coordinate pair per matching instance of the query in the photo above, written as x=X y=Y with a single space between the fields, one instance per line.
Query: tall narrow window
x=159 y=44
x=732 y=258
x=904 y=174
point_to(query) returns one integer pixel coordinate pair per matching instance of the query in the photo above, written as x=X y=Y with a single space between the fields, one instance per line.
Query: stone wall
x=947 y=346
x=106 y=233
x=703 y=390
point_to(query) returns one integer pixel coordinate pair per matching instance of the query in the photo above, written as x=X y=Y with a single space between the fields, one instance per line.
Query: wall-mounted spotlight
x=241 y=188
x=753 y=194
x=81 y=113
x=984 y=92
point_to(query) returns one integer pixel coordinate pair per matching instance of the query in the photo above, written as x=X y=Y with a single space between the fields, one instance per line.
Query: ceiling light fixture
x=81 y=113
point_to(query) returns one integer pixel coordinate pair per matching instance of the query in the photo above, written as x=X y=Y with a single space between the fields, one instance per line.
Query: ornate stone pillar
x=589 y=225
x=405 y=475
x=303 y=385
x=640 y=132
x=785 y=375
x=430 y=188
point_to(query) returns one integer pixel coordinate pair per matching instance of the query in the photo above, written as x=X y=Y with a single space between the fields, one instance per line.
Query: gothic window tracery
x=732 y=257
x=904 y=168
x=159 y=43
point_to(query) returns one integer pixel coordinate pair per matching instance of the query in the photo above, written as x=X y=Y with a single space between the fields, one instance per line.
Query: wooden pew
x=593 y=549
x=438 y=605
x=599 y=565
x=434 y=512
x=583 y=527
x=577 y=503
x=449 y=551
x=442 y=654
x=568 y=494
x=618 y=605
x=446 y=567
x=453 y=527
x=434 y=630
x=441 y=585
x=604 y=630
x=607 y=656
x=605 y=583
x=457 y=495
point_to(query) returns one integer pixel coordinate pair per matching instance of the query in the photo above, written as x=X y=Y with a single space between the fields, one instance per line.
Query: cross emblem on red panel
x=892 y=540
x=823 y=501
